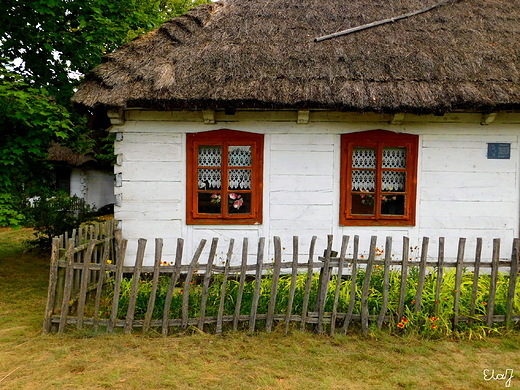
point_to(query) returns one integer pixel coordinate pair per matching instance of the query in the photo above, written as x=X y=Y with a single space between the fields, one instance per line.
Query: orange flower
x=432 y=319
x=413 y=301
x=484 y=303
x=400 y=325
x=434 y=326
x=404 y=320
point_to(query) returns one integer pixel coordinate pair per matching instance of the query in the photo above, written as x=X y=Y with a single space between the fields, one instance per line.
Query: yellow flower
x=109 y=261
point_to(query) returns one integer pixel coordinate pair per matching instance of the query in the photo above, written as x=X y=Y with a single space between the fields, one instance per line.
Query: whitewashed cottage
x=235 y=121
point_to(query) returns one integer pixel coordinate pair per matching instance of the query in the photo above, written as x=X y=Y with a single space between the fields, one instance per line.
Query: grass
x=30 y=360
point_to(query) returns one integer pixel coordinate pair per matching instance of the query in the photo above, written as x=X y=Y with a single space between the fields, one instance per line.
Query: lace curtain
x=211 y=156
x=365 y=158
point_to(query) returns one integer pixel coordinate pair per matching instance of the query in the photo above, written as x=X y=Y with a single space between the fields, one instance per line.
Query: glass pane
x=209 y=179
x=239 y=156
x=210 y=156
x=363 y=157
x=363 y=204
x=239 y=179
x=209 y=203
x=363 y=180
x=394 y=181
x=239 y=203
x=394 y=158
x=392 y=204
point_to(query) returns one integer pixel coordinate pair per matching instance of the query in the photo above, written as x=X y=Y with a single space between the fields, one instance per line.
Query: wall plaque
x=500 y=151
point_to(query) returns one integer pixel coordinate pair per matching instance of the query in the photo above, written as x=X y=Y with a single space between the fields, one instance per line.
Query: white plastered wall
x=461 y=193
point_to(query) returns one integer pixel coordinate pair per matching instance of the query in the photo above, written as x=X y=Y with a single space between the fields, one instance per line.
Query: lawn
x=30 y=360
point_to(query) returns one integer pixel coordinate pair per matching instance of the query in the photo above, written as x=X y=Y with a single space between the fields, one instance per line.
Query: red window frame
x=224 y=138
x=378 y=139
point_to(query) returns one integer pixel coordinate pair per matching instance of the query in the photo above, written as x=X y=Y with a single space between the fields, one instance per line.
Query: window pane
x=363 y=204
x=363 y=180
x=394 y=158
x=209 y=179
x=239 y=179
x=239 y=156
x=363 y=157
x=239 y=203
x=210 y=156
x=209 y=203
x=394 y=181
x=392 y=204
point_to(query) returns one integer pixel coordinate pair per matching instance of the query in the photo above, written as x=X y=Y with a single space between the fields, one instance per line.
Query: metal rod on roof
x=378 y=23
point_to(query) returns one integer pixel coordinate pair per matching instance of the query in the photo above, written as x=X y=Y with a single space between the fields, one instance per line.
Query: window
x=378 y=178
x=224 y=177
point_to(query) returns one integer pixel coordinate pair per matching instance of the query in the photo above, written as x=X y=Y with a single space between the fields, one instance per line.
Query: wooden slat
x=404 y=276
x=67 y=290
x=101 y=282
x=53 y=281
x=352 y=298
x=343 y=252
x=422 y=274
x=155 y=284
x=258 y=276
x=84 y=283
x=440 y=275
x=205 y=286
x=242 y=282
x=141 y=247
x=171 y=287
x=223 y=290
x=513 y=276
x=308 y=282
x=294 y=274
x=386 y=282
x=366 y=286
x=274 y=284
x=458 y=281
x=476 y=275
x=121 y=251
x=324 y=285
x=187 y=281
x=493 y=283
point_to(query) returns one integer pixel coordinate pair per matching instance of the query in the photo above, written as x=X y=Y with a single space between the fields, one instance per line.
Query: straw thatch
x=62 y=154
x=261 y=53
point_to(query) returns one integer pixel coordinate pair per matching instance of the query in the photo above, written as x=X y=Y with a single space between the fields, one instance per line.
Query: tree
x=45 y=49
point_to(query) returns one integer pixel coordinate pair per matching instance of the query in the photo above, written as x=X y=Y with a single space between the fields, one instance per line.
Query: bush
x=56 y=215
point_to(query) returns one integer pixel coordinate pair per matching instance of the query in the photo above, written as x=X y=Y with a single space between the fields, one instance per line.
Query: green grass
x=30 y=360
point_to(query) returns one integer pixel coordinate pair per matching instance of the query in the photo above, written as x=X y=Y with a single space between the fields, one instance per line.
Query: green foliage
x=434 y=320
x=45 y=49
x=29 y=121
x=59 y=40
x=56 y=215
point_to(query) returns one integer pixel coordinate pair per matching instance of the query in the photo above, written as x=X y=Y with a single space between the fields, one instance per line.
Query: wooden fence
x=82 y=276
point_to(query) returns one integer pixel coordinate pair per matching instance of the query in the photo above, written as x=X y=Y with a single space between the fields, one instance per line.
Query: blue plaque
x=500 y=151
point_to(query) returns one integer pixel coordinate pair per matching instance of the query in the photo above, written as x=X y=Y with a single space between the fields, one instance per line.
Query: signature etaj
x=507 y=376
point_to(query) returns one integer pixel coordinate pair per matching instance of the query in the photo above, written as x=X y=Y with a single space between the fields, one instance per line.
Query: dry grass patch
x=30 y=360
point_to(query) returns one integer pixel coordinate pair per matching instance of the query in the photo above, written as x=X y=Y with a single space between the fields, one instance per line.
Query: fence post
x=353 y=281
x=53 y=281
x=493 y=284
x=513 y=275
x=274 y=285
x=366 y=286
x=386 y=282
x=258 y=276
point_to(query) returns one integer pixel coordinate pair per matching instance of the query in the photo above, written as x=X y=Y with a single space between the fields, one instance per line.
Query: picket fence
x=82 y=263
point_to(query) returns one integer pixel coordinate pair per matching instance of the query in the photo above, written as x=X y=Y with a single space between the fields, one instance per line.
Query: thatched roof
x=261 y=53
x=62 y=154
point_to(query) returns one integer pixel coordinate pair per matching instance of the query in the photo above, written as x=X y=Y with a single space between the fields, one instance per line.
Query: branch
x=373 y=24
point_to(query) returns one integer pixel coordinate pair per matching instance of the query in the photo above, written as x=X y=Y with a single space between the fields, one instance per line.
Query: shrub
x=56 y=215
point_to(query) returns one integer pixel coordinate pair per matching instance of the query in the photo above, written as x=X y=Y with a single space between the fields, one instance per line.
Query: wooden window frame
x=378 y=139
x=224 y=138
